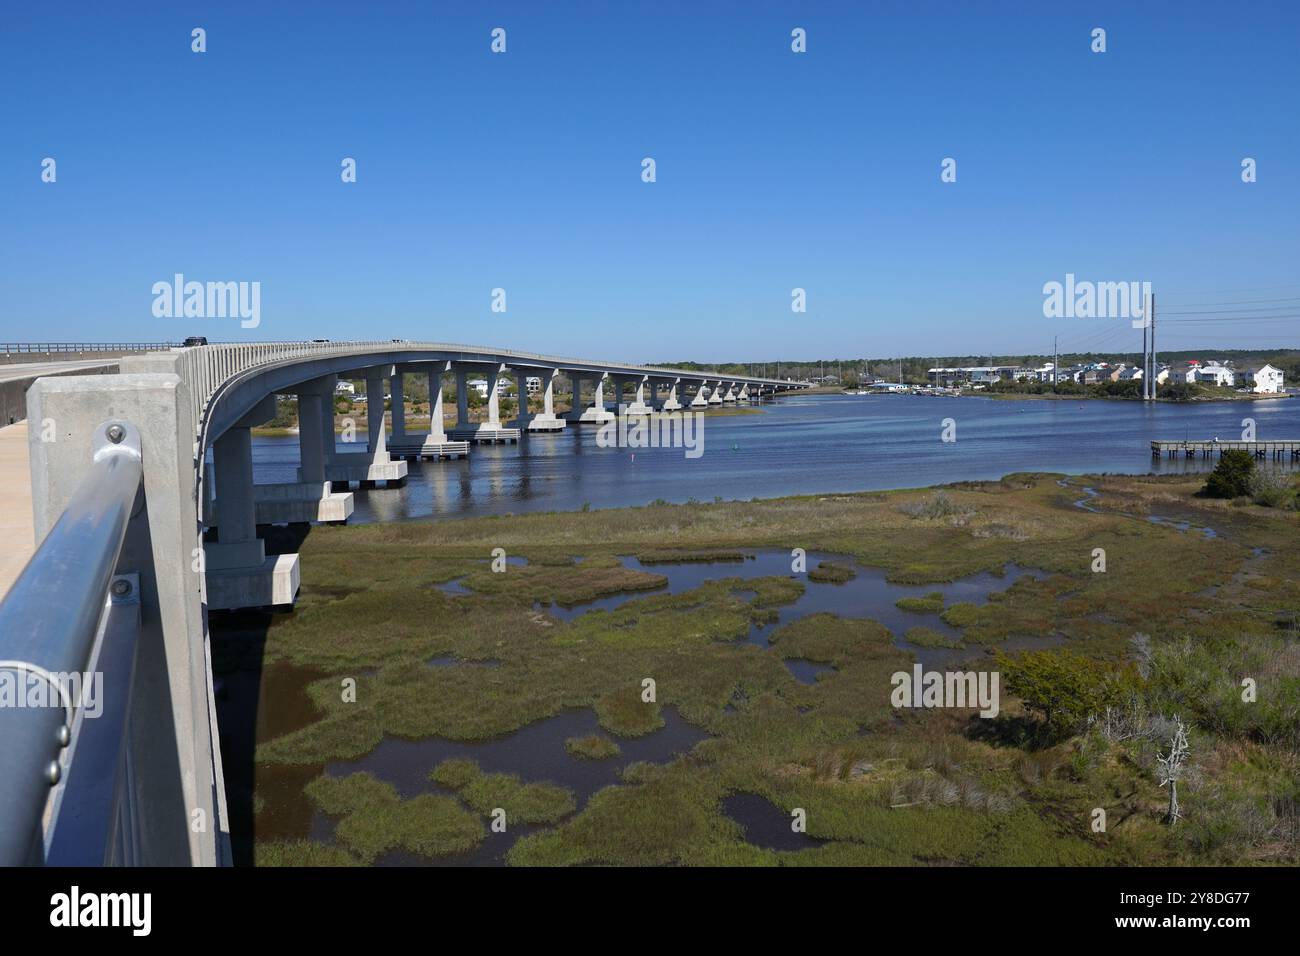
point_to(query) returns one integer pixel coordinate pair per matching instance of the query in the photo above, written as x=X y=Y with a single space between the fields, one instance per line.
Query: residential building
x=1264 y=379
x=1215 y=374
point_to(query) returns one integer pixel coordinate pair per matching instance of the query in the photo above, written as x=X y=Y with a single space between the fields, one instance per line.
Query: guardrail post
x=175 y=765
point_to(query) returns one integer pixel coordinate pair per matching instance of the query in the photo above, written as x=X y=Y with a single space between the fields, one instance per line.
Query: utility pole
x=1153 y=346
x=1146 y=361
x=1056 y=362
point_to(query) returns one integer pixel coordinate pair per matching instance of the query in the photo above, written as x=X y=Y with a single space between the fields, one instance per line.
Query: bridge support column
x=493 y=399
x=744 y=393
x=701 y=399
x=715 y=394
x=673 y=402
x=596 y=413
x=374 y=464
x=546 y=420
x=310 y=498
x=462 y=399
x=638 y=406
x=398 y=391
x=437 y=428
x=575 y=399
x=730 y=395
x=434 y=443
x=491 y=430
x=239 y=573
x=521 y=389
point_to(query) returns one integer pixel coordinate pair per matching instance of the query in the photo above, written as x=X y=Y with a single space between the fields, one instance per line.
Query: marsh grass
x=370 y=609
x=929 y=637
x=373 y=819
x=828 y=572
x=592 y=747
x=931 y=603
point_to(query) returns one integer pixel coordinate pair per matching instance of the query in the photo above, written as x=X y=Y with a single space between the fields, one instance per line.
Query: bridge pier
x=374 y=464
x=596 y=413
x=545 y=420
x=239 y=572
x=310 y=498
x=701 y=399
x=491 y=430
x=715 y=394
x=638 y=406
x=434 y=443
x=672 y=403
x=397 y=388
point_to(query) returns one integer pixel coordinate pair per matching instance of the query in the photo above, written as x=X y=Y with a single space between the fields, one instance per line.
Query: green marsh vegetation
x=1080 y=726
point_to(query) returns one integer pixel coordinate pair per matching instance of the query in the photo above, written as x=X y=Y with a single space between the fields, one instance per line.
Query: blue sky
x=775 y=170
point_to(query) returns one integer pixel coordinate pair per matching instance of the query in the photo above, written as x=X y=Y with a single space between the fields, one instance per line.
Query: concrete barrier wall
x=13 y=393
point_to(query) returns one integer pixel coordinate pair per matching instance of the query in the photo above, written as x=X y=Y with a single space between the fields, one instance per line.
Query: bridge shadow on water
x=238 y=662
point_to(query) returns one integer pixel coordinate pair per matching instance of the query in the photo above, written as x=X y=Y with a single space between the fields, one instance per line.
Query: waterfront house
x=1215 y=374
x=1264 y=379
x=345 y=388
x=1130 y=373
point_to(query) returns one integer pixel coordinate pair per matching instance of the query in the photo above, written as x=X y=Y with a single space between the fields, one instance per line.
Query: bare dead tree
x=1171 y=767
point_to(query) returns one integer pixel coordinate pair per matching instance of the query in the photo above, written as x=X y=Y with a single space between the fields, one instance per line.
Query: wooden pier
x=478 y=435
x=1277 y=450
x=422 y=448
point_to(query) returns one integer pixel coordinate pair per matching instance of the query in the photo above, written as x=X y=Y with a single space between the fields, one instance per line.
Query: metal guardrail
x=65 y=616
x=55 y=348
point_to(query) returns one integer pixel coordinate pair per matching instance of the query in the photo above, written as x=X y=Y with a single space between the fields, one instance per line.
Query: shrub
x=1272 y=489
x=937 y=505
x=1065 y=690
x=1232 y=476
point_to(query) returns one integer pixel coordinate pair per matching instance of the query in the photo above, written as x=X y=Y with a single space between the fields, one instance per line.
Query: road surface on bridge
x=32 y=369
x=17 y=534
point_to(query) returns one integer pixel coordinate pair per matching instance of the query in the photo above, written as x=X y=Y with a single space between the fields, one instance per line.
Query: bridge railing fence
x=68 y=630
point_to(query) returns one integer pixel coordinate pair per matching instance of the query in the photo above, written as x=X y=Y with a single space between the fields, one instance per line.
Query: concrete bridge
x=141 y=536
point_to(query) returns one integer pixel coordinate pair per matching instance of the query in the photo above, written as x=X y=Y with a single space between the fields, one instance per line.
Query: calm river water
x=805 y=445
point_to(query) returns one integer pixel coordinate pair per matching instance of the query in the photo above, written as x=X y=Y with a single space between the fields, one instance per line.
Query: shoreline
x=1052 y=396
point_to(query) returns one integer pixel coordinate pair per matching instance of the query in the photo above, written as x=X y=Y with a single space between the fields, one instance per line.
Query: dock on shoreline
x=1277 y=450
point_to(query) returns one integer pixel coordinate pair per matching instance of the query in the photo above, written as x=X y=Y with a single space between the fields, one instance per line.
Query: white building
x=1215 y=374
x=345 y=388
x=480 y=385
x=1265 y=379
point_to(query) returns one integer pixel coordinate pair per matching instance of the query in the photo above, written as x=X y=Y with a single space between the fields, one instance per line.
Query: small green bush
x=1232 y=476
